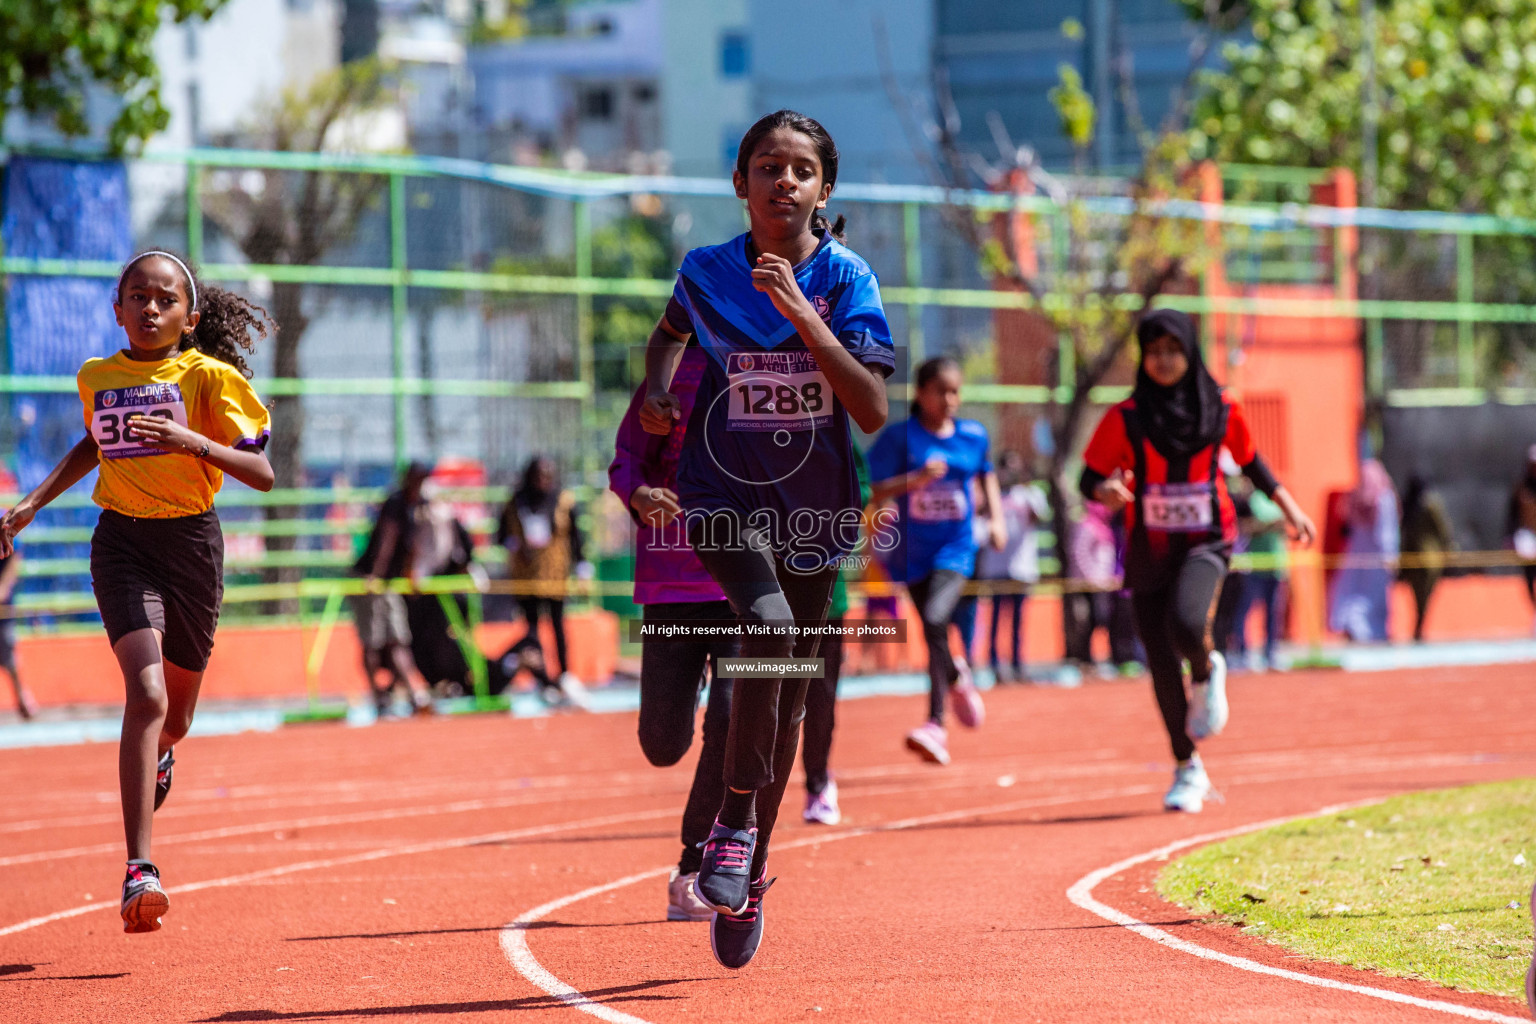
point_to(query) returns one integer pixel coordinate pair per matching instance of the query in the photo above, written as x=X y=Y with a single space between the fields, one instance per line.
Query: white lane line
x=411 y=849
x=514 y=940
x=1081 y=893
x=320 y=821
x=514 y=945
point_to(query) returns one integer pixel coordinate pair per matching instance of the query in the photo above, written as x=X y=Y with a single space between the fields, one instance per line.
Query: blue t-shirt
x=935 y=525
x=768 y=438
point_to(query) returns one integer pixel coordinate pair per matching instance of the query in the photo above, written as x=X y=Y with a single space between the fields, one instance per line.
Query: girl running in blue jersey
x=928 y=464
x=797 y=342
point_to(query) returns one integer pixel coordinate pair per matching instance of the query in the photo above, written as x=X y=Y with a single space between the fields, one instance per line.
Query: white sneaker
x=574 y=691
x=1208 y=711
x=1190 y=787
x=821 y=808
x=683 y=903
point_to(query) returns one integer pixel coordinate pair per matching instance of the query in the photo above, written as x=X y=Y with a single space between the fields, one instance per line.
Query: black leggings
x=936 y=596
x=821 y=713
x=671 y=674
x=1175 y=623
x=555 y=606
x=765 y=713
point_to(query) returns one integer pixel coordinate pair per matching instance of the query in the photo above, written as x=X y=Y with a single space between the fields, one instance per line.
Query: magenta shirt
x=673 y=573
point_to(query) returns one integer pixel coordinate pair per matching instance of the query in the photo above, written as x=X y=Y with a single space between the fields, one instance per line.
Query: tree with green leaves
x=54 y=52
x=294 y=218
x=1457 y=81
x=1456 y=131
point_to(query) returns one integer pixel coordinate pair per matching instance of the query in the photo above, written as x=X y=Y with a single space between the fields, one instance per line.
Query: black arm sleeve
x=1258 y=472
x=677 y=317
x=1088 y=483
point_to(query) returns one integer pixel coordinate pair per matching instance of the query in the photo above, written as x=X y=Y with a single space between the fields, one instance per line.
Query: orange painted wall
x=268 y=662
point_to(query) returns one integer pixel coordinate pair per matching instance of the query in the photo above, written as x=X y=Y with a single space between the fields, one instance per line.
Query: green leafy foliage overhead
x=53 y=51
x=1457 y=80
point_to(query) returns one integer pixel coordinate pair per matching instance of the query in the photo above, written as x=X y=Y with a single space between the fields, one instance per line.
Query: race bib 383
x=115 y=408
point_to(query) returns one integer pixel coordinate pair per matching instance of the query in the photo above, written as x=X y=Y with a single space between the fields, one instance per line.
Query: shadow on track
x=1065 y=819
x=531 y=926
x=607 y=837
x=618 y=994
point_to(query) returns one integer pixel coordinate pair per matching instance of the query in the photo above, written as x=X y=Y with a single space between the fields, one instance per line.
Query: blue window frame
x=735 y=54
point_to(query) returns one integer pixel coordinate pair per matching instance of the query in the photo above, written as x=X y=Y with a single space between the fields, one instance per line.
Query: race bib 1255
x=1177 y=508
x=115 y=408
x=777 y=391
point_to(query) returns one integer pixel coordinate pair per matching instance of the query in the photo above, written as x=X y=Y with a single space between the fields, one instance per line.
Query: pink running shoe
x=930 y=742
x=964 y=699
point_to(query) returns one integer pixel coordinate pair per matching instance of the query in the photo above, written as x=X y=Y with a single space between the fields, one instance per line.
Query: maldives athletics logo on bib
x=823 y=308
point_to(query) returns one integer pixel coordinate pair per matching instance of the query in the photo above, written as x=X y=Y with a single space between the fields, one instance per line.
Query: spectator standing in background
x=1225 y=623
x=10 y=571
x=544 y=547
x=1426 y=537
x=1096 y=598
x=1522 y=521
x=443 y=547
x=1357 y=599
x=383 y=625
x=1017 y=565
x=1264 y=526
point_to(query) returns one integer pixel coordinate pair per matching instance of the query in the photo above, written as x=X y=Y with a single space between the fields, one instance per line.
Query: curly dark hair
x=226 y=323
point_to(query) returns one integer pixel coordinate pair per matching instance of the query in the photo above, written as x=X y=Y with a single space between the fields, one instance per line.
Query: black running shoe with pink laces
x=163 y=773
x=143 y=898
x=734 y=938
x=726 y=873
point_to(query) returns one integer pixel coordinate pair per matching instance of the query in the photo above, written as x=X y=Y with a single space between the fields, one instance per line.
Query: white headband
x=191 y=282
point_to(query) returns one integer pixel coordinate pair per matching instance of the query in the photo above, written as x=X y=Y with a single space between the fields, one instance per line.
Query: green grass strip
x=1428 y=885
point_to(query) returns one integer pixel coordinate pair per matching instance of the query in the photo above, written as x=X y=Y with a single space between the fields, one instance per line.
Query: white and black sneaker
x=143 y=898
x=1208 y=710
x=164 y=771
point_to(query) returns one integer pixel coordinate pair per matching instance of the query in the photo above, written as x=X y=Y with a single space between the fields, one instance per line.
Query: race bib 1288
x=1177 y=508
x=777 y=391
x=115 y=408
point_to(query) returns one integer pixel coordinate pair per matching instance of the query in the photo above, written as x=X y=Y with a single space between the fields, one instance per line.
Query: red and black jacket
x=1182 y=505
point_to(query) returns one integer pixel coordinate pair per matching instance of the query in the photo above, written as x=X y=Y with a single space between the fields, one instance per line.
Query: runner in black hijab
x=1189 y=416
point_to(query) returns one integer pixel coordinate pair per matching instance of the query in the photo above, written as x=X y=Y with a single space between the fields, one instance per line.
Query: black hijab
x=1189 y=416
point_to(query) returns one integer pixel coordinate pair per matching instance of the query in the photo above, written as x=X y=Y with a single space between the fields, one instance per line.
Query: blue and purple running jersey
x=767 y=432
x=935 y=528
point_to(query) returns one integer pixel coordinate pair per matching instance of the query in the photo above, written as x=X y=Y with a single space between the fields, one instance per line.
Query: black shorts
x=165 y=574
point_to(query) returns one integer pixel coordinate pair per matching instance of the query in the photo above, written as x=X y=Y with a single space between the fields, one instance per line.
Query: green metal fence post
x=398 y=309
x=585 y=369
x=194 y=213
x=912 y=241
x=1466 y=350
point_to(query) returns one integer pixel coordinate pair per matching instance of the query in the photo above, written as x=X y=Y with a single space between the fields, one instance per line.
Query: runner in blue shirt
x=929 y=463
x=797 y=342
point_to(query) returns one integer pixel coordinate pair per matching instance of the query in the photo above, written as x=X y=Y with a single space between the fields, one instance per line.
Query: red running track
x=333 y=874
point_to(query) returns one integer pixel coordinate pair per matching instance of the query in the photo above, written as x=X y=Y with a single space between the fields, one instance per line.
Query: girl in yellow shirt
x=166 y=419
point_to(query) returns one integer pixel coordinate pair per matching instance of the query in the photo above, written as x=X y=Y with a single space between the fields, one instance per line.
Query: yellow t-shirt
x=197 y=391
